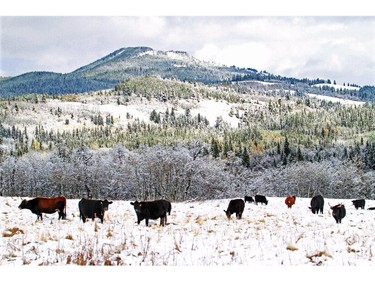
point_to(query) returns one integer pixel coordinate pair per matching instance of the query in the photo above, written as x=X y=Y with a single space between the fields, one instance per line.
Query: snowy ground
x=210 y=109
x=197 y=234
x=333 y=99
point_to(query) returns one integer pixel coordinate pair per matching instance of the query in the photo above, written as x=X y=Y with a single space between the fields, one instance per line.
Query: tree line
x=280 y=136
x=179 y=173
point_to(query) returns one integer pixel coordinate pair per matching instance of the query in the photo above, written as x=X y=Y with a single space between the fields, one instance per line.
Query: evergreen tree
x=245 y=158
x=299 y=155
x=154 y=116
x=215 y=148
x=287 y=150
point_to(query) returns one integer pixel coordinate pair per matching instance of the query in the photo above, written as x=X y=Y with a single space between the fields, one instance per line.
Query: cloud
x=324 y=47
x=63 y=44
x=335 y=48
x=253 y=54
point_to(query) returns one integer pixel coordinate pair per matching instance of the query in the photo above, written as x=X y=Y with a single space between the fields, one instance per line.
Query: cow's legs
x=61 y=214
x=163 y=220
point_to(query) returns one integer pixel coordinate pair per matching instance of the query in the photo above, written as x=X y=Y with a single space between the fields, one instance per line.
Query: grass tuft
x=292 y=248
x=10 y=232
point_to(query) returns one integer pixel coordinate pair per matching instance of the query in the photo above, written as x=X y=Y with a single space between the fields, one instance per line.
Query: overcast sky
x=336 y=48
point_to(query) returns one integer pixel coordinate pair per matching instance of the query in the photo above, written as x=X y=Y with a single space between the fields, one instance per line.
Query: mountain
x=141 y=61
x=131 y=62
x=118 y=66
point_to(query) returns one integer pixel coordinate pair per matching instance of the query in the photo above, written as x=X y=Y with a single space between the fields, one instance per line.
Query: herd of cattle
x=91 y=209
x=146 y=210
x=237 y=206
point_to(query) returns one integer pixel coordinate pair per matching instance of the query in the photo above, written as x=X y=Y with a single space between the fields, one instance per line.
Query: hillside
x=49 y=83
x=133 y=62
x=116 y=67
x=185 y=140
x=142 y=61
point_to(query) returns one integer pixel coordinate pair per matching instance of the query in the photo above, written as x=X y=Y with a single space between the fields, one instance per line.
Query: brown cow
x=41 y=205
x=290 y=201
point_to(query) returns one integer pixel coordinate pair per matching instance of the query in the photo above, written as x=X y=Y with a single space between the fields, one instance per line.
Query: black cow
x=338 y=212
x=89 y=208
x=235 y=206
x=359 y=203
x=317 y=204
x=260 y=199
x=40 y=205
x=371 y=208
x=249 y=199
x=152 y=210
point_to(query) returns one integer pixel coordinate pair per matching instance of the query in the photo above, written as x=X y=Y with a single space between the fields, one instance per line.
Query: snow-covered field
x=210 y=109
x=339 y=100
x=197 y=234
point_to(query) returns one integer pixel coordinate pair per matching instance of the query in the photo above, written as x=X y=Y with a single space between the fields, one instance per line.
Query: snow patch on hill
x=177 y=55
x=141 y=110
x=150 y=53
x=333 y=99
x=337 y=87
x=213 y=110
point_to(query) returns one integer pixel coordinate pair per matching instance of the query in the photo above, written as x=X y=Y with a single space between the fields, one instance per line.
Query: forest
x=284 y=142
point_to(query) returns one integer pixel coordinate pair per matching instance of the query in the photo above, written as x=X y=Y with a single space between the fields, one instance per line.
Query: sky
x=338 y=45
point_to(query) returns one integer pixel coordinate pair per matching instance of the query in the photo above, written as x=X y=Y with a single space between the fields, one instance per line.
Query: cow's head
x=23 y=204
x=228 y=214
x=336 y=207
x=104 y=204
x=137 y=205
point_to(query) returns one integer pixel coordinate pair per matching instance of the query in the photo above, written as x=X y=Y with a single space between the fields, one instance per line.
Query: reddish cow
x=41 y=205
x=290 y=201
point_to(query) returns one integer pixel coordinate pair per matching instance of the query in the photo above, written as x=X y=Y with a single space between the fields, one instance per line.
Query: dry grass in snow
x=197 y=234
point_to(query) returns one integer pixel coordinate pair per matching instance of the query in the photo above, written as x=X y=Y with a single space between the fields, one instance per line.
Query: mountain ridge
x=115 y=67
x=109 y=57
x=130 y=62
